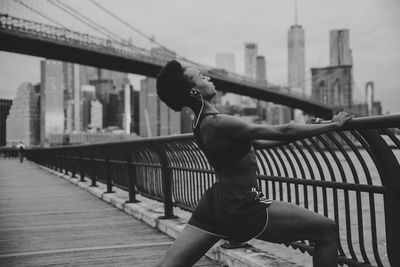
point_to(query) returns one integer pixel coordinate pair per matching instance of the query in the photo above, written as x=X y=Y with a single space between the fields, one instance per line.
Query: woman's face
x=201 y=82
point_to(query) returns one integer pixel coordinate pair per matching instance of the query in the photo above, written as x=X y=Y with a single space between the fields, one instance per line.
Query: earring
x=194 y=92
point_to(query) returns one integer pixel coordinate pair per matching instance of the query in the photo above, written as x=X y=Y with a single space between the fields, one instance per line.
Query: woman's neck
x=208 y=107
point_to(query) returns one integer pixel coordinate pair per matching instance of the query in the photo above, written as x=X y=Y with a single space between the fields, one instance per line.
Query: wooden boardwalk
x=45 y=221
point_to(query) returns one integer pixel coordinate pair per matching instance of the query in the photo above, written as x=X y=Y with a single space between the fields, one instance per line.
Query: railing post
x=166 y=176
x=58 y=164
x=108 y=176
x=66 y=164
x=61 y=166
x=390 y=169
x=131 y=176
x=73 y=172
x=82 y=175
x=93 y=171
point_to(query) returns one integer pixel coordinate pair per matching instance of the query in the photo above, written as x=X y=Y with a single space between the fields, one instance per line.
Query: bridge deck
x=47 y=222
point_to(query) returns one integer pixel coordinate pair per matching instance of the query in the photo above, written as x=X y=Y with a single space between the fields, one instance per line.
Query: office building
x=87 y=74
x=340 y=52
x=127 y=111
x=296 y=60
x=135 y=111
x=52 y=117
x=250 y=54
x=23 y=118
x=296 y=65
x=96 y=115
x=60 y=94
x=103 y=90
x=72 y=97
x=155 y=117
x=88 y=95
x=261 y=69
x=262 y=107
x=5 y=105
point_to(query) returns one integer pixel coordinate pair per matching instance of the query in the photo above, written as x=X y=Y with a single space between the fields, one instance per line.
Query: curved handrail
x=348 y=175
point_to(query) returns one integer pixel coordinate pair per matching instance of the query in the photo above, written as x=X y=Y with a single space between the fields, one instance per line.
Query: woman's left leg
x=289 y=222
x=191 y=244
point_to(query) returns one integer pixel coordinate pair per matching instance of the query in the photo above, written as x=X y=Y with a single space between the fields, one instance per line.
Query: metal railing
x=350 y=176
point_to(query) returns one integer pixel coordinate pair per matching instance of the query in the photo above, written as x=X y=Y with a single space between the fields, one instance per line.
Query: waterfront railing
x=350 y=176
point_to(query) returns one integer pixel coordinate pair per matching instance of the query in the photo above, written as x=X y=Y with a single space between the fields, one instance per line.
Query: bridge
x=37 y=39
x=350 y=176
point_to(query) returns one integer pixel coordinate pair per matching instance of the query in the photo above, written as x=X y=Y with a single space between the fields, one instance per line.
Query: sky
x=198 y=30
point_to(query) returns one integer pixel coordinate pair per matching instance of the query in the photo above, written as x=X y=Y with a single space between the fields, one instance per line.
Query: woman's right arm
x=235 y=128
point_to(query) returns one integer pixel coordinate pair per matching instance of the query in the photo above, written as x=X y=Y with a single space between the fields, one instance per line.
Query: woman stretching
x=234 y=208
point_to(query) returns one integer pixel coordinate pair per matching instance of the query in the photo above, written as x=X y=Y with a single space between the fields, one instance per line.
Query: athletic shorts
x=232 y=211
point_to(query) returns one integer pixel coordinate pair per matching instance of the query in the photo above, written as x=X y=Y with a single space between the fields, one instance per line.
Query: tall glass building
x=296 y=60
x=5 y=105
x=340 y=52
x=52 y=118
x=156 y=118
x=250 y=54
x=23 y=120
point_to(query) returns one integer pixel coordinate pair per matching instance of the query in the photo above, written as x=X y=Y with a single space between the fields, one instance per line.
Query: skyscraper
x=261 y=68
x=5 y=105
x=96 y=114
x=340 y=52
x=60 y=98
x=87 y=74
x=261 y=76
x=23 y=119
x=127 y=118
x=296 y=59
x=250 y=54
x=88 y=94
x=52 y=118
x=72 y=97
x=155 y=117
x=296 y=64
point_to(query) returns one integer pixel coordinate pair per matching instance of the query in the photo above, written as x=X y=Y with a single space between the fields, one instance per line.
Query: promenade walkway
x=44 y=221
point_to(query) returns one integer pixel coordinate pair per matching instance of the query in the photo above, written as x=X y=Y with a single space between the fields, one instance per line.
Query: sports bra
x=221 y=158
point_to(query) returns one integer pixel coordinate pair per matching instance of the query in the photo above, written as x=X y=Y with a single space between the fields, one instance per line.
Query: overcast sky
x=200 y=29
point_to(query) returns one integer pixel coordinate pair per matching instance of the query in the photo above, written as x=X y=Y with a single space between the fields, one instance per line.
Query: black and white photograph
x=184 y=133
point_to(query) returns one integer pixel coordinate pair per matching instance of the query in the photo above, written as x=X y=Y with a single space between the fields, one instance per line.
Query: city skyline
x=224 y=29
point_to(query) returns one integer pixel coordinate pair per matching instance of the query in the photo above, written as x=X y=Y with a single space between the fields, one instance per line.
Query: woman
x=233 y=208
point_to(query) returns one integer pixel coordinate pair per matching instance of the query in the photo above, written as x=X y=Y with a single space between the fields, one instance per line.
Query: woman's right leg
x=191 y=244
x=288 y=222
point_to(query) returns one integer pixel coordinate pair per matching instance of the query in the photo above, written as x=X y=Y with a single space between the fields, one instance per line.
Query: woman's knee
x=329 y=231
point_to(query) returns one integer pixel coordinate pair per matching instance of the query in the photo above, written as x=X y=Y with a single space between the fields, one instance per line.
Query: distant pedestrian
x=20 y=149
x=234 y=208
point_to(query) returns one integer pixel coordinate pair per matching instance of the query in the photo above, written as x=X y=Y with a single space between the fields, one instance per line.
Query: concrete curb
x=149 y=211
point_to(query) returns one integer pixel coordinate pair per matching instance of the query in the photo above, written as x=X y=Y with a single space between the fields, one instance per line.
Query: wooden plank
x=45 y=221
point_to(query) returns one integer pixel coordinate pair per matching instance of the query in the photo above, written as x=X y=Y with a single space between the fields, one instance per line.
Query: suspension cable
x=89 y=20
x=151 y=39
x=60 y=6
x=39 y=13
